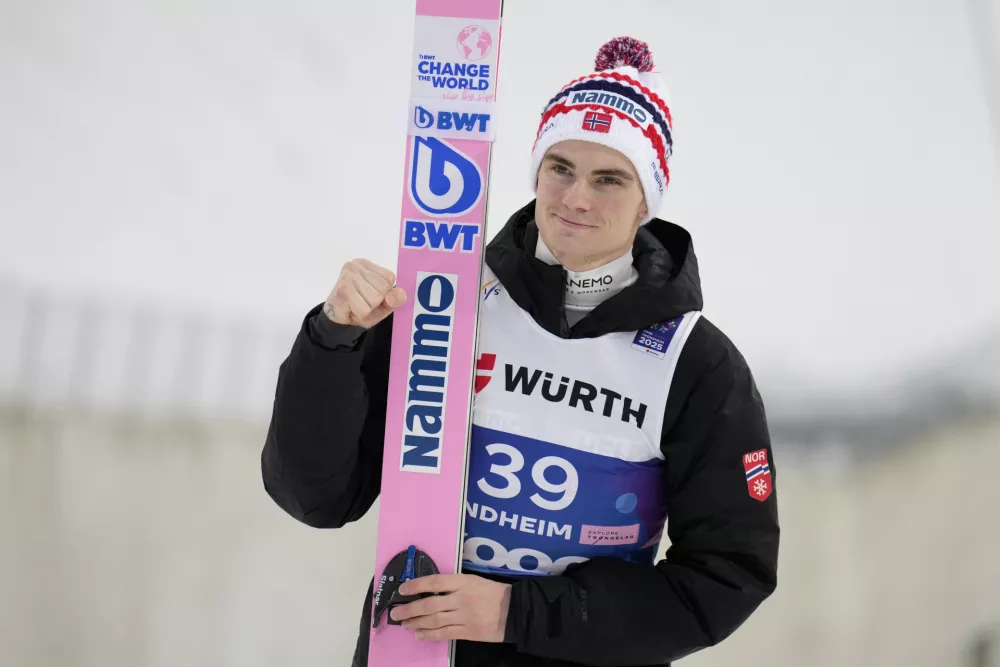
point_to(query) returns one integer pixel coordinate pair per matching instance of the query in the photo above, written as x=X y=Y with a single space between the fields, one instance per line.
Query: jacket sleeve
x=722 y=562
x=322 y=457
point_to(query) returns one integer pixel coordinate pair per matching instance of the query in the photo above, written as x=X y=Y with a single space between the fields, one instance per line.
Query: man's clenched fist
x=364 y=295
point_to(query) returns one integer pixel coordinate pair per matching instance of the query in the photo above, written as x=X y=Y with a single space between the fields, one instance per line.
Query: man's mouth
x=571 y=223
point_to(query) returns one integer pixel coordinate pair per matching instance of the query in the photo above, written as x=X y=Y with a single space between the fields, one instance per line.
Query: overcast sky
x=834 y=161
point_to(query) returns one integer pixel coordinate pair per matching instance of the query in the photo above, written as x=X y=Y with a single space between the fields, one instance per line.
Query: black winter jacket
x=322 y=463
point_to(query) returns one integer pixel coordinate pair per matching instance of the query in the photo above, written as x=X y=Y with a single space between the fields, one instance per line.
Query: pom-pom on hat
x=624 y=105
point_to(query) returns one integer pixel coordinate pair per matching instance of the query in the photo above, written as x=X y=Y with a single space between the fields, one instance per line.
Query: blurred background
x=181 y=181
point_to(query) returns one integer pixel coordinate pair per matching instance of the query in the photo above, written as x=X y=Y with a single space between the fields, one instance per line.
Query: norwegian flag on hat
x=758 y=474
x=596 y=121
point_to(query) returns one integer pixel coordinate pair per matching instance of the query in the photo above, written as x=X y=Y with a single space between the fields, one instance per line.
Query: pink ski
x=442 y=234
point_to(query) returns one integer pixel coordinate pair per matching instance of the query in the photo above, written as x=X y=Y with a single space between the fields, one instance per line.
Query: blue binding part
x=411 y=554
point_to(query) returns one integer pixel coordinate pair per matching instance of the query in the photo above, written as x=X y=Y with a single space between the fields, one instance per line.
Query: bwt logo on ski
x=611 y=101
x=579 y=395
x=427 y=371
x=473 y=123
x=418 y=234
x=443 y=181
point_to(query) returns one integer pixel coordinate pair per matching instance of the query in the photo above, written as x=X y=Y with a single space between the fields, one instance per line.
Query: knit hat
x=623 y=105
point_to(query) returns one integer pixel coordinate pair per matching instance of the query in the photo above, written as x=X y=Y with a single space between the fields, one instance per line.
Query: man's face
x=589 y=203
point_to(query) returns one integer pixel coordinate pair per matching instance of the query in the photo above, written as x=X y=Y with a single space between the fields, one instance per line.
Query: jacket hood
x=663 y=254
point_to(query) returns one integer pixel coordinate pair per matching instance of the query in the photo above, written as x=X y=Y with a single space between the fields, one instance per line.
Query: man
x=611 y=403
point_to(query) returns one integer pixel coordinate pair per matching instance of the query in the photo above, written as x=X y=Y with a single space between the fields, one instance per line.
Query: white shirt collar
x=586 y=289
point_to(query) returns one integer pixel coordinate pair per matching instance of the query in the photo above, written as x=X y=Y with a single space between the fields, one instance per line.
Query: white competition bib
x=565 y=460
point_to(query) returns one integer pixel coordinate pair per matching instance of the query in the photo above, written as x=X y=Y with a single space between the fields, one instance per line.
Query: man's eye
x=610 y=180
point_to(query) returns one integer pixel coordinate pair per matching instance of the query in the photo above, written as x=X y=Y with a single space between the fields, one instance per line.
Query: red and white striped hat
x=624 y=105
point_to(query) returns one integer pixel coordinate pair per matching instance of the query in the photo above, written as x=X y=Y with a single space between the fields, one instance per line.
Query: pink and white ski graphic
x=442 y=233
